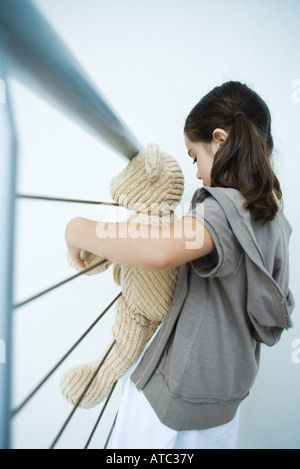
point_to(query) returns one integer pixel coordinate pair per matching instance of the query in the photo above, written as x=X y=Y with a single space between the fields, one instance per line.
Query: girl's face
x=203 y=155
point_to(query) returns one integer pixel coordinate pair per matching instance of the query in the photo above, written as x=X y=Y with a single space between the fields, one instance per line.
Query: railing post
x=8 y=154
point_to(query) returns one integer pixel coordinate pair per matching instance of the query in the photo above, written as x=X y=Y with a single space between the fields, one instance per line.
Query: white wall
x=153 y=61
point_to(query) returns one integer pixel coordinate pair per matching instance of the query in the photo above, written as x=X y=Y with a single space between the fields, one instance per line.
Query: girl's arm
x=142 y=246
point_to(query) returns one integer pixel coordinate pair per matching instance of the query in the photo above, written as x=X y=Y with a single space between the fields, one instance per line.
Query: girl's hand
x=74 y=249
x=75 y=255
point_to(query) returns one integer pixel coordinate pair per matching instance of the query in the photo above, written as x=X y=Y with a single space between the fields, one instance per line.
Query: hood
x=270 y=303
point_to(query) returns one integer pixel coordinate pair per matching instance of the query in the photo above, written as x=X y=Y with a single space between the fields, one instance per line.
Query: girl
x=232 y=292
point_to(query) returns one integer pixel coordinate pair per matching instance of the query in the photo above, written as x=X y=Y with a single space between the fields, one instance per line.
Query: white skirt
x=138 y=427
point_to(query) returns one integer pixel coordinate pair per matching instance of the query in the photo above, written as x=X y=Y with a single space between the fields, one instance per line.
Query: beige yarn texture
x=152 y=185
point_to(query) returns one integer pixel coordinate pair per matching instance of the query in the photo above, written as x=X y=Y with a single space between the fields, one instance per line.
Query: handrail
x=42 y=61
x=59 y=284
x=60 y=199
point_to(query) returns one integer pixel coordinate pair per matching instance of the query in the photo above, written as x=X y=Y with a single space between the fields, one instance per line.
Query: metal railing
x=31 y=51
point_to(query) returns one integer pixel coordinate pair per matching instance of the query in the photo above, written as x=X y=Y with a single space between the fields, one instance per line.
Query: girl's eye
x=195 y=161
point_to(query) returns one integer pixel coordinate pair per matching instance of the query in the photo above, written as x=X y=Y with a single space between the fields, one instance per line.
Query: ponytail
x=244 y=160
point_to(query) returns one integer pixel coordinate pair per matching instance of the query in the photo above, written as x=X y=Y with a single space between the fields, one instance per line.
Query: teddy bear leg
x=131 y=332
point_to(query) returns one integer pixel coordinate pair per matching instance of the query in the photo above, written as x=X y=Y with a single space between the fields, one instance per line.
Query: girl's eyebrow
x=190 y=153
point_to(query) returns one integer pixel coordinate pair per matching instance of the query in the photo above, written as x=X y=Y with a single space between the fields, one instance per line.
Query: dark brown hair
x=244 y=160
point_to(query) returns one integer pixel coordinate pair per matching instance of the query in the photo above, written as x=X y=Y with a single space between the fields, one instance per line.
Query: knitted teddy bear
x=151 y=185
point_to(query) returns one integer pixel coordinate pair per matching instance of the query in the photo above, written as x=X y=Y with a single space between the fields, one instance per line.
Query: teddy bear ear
x=153 y=161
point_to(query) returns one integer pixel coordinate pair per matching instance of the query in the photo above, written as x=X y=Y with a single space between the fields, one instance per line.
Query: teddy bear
x=151 y=185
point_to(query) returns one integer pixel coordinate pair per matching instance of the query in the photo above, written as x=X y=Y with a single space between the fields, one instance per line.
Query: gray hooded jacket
x=203 y=361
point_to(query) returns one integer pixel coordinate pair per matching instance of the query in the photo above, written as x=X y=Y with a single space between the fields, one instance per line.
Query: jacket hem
x=180 y=415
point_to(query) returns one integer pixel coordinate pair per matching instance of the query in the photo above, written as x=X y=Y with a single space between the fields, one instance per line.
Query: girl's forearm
x=145 y=247
x=123 y=243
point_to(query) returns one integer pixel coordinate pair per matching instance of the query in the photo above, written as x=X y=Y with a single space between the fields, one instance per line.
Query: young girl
x=232 y=292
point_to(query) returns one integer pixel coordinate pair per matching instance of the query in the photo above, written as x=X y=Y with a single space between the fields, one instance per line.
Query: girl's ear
x=219 y=136
x=153 y=161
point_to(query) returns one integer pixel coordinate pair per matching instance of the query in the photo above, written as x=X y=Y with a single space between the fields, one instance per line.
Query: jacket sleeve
x=227 y=256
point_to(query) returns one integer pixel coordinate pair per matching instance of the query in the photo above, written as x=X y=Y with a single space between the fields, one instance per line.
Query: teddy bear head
x=151 y=182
